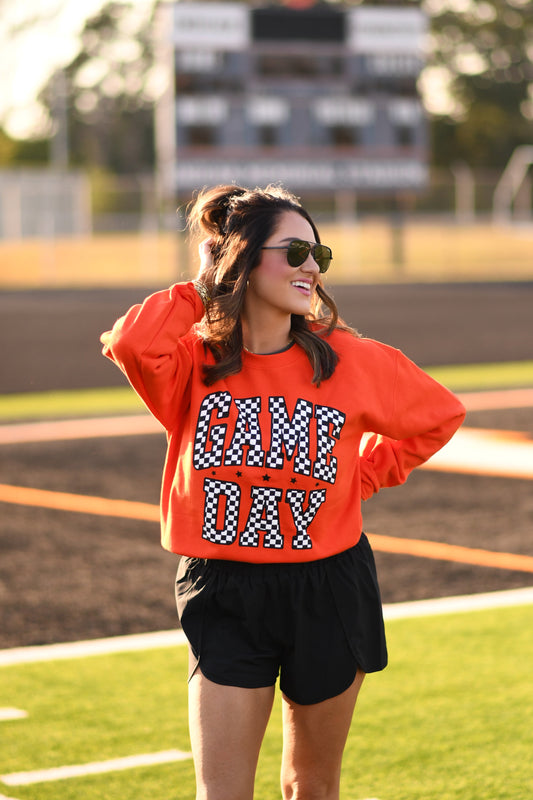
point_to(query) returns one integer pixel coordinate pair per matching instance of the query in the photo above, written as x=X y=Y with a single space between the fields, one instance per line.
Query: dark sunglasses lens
x=322 y=256
x=297 y=252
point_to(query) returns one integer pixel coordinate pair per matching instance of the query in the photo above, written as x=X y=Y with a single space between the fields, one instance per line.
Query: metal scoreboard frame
x=323 y=99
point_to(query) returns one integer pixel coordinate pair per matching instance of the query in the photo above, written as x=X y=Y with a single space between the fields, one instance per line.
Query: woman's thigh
x=227 y=725
x=314 y=737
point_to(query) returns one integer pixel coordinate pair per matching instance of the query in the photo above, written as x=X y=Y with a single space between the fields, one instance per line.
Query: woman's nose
x=310 y=264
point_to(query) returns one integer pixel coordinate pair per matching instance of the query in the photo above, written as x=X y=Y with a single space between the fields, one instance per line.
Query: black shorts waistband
x=258 y=568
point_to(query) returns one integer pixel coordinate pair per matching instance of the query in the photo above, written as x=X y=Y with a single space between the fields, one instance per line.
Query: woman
x=265 y=399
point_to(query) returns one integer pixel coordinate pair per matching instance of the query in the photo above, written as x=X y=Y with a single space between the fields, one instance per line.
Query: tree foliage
x=485 y=50
x=110 y=90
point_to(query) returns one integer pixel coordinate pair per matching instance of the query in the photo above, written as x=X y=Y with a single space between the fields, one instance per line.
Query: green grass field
x=451 y=718
x=122 y=400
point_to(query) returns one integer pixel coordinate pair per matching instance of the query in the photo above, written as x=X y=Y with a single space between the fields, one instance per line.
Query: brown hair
x=239 y=221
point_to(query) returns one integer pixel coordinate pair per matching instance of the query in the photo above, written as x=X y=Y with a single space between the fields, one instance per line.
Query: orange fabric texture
x=264 y=466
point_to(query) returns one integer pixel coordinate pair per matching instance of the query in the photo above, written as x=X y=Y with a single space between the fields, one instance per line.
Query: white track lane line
x=93 y=768
x=175 y=638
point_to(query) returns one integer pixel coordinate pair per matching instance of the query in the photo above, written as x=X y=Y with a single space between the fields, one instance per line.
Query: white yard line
x=93 y=768
x=92 y=647
x=175 y=638
x=7 y=714
x=459 y=604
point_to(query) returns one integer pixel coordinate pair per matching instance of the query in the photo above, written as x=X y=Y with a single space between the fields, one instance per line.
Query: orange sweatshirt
x=264 y=466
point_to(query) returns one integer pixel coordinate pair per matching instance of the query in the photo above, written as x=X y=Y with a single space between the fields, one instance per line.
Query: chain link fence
x=44 y=203
x=48 y=204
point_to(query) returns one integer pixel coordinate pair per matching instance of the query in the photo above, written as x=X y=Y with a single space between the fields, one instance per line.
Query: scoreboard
x=322 y=98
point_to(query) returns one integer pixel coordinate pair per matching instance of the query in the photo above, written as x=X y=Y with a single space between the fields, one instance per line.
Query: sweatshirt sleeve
x=148 y=344
x=423 y=416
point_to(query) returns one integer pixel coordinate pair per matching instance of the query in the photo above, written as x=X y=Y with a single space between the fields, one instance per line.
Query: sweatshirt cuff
x=369 y=481
x=199 y=308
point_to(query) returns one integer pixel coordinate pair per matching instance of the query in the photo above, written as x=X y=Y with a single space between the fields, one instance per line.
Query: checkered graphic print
x=215 y=492
x=325 y=467
x=247 y=432
x=289 y=434
x=202 y=457
x=263 y=516
x=302 y=519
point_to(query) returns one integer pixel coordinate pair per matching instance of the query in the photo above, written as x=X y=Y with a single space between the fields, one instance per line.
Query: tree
x=482 y=50
x=110 y=88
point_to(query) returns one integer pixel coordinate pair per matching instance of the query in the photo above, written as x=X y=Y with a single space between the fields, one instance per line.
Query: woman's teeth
x=301 y=285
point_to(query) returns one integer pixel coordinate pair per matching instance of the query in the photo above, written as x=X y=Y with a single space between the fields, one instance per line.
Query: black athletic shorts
x=313 y=623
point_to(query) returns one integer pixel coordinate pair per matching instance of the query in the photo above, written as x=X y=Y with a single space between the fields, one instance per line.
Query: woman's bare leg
x=314 y=737
x=227 y=725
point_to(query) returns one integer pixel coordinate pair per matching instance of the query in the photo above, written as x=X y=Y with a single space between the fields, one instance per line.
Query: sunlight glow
x=434 y=86
x=37 y=37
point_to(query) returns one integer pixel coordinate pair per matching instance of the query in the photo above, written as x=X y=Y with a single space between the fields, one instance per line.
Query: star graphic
x=293 y=480
x=238 y=474
x=266 y=478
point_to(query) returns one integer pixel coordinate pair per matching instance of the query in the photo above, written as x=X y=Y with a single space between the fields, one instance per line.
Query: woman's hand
x=206 y=264
x=206 y=259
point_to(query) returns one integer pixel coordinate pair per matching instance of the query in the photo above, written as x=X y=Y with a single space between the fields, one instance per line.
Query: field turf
x=449 y=719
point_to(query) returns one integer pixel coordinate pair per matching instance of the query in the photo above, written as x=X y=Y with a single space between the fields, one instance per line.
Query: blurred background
x=407 y=128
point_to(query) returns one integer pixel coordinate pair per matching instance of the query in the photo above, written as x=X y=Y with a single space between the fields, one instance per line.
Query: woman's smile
x=303 y=286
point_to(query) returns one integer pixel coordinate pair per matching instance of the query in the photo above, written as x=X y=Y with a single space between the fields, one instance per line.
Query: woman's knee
x=310 y=787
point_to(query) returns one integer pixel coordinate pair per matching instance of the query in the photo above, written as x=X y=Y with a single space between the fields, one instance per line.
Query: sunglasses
x=298 y=251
